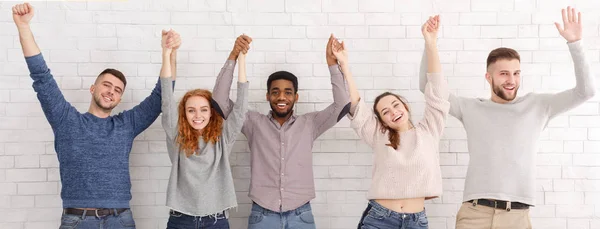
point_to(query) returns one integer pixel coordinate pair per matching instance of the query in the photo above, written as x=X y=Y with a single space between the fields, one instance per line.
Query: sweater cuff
x=36 y=64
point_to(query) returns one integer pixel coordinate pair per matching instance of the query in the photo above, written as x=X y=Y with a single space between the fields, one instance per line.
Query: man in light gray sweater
x=503 y=134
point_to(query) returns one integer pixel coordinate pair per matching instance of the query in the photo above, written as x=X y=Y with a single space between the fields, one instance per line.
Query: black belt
x=500 y=204
x=95 y=212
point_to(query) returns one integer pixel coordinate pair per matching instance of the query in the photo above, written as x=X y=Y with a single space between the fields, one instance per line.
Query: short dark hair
x=115 y=73
x=283 y=75
x=502 y=54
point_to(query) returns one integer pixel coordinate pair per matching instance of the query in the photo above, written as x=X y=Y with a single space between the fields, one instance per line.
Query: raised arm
x=168 y=103
x=222 y=88
x=362 y=118
x=144 y=114
x=584 y=87
x=233 y=125
x=53 y=103
x=436 y=88
x=327 y=118
x=455 y=101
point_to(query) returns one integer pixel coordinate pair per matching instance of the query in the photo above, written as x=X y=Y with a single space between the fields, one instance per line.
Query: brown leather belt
x=499 y=204
x=96 y=212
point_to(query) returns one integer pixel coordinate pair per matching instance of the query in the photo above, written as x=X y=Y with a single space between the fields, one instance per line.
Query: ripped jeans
x=178 y=220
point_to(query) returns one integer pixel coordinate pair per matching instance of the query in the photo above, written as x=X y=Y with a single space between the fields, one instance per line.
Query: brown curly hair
x=188 y=137
x=393 y=135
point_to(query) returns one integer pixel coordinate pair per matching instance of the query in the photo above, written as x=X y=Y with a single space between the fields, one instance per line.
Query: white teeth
x=107 y=98
x=281 y=104
x=397 y=117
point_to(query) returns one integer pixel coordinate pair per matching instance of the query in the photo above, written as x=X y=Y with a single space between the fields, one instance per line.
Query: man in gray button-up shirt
x=281 y=143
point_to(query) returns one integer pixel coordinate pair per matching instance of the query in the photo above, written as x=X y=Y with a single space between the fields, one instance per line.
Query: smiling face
x=392 y=112
x=504 y=77
x=197 y=112
x=282 y=97
x=107 y=91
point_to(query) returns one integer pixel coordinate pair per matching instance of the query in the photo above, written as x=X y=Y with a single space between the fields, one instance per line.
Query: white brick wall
x=79 y=39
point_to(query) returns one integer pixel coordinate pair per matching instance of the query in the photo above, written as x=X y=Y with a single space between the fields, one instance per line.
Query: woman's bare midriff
x=413 y=205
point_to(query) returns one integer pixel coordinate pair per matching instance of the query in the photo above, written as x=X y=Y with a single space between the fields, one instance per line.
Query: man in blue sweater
x=93 y=147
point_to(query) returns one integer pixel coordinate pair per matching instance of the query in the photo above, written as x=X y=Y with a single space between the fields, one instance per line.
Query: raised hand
x=241 y=45
x=331 y=59
x=171 y=40
x=572 y=30
x=174 y=40
x=22 y=14
x=340 y=52
x=430 y=28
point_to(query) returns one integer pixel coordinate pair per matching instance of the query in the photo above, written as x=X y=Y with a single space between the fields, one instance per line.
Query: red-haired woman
x=199 y=142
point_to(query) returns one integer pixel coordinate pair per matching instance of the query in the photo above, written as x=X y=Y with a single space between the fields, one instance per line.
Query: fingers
x=564 y=16
x=14 y=10
x=20 y=9
x=572 y=15
x=579 y=18
x=23 y=9
x=559 y=27
x=247 y=38
x=28 y=7
x=330 y=42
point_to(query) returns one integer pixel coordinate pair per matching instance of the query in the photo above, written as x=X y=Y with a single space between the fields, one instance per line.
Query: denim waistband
x=393 y=214
x=304 y=208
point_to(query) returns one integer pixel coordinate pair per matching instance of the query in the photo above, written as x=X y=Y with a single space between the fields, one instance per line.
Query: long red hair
x=188 y=137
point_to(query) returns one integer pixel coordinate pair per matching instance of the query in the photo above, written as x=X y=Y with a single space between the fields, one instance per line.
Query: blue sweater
x=93 y=152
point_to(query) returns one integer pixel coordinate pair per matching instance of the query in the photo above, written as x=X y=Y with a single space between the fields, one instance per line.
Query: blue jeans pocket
x=423 y=221
x=255 y=217
x=126 y=219
x=69 y=221
x=307 y=217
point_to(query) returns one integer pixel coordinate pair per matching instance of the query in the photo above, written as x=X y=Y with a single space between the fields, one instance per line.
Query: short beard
x=98 y=101
x=500 y=93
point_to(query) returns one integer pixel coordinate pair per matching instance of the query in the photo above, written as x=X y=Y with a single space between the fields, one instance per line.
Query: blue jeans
x=299 y=218
x=178 y=220
x=120 y=221
x=379 y=217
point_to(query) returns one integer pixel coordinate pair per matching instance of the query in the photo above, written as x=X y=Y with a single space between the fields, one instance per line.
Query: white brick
x=383 y=19
x=570 y=198
x=586 y=159
x=451 y=6
x=29 y=161
x=21 y=201
x=140 y=17
x=387 y=31
x=266 y=6
x=261 y=19
x=484 y=5
x=309 y=19
x=38 y=188
x=340 y=5
x=346 y=19
x=482 y=18
x=207 y=5
x=521 y=44
x=289 y=32
x=461 y=31
x=203 y=18
x=376 y=5
x=528 y=31
x=48 y=201
x=514 y=18
x=499 y=31
x=303 y=6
